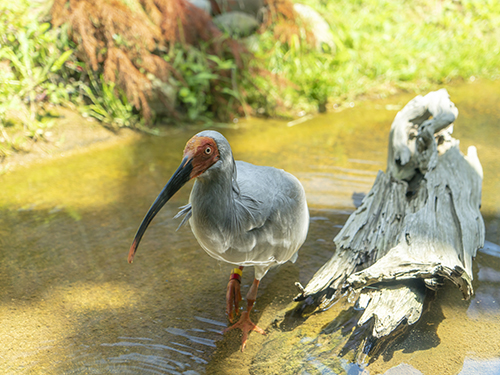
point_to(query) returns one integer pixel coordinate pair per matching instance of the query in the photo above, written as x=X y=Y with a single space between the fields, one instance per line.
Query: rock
x=252 y=7
x=163 y=96
x=236 y=24
x=202 y=4
x=318 y=26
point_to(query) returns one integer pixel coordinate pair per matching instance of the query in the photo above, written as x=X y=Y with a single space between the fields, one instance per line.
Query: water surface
x=71 y=304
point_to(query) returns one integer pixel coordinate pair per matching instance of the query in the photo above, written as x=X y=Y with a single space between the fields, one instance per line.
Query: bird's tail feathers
x=184 y=210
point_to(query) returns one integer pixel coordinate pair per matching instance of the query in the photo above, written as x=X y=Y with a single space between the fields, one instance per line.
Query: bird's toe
x=246 y=326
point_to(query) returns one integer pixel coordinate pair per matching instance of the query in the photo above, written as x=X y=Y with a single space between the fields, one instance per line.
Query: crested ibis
x=240 y=213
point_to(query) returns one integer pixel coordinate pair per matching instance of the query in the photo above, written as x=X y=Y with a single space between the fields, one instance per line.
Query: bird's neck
x=213 y=195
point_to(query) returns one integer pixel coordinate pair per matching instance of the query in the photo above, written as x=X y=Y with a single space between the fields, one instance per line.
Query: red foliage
x=123 y=41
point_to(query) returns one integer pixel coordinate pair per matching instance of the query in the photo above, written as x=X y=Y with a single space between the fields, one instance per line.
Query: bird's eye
x=208 y=151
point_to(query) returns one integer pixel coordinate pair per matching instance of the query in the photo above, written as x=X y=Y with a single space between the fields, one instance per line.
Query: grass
x=30 y=60
x=380 y=46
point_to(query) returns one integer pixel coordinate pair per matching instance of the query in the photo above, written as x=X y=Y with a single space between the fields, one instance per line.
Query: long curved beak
x=178 y=180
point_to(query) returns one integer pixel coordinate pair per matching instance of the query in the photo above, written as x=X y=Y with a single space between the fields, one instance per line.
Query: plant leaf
x=60 y=61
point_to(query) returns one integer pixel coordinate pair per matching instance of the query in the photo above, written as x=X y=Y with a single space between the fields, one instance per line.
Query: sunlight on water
x=70 y=303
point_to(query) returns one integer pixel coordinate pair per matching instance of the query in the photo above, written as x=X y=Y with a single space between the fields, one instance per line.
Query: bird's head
x=201 y=152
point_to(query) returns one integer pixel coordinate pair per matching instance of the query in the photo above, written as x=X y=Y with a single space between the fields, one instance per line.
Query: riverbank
x=71 y=133
x=367 y=50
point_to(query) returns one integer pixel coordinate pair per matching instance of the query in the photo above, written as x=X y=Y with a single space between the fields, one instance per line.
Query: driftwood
x=419 y=224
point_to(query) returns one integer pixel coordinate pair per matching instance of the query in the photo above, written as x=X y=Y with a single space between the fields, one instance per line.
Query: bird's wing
x=254 y=198
x=265 y=193
x=184 y=210
x=272 y=214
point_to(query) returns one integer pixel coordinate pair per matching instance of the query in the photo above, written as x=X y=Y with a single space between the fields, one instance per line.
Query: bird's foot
x=246 y=326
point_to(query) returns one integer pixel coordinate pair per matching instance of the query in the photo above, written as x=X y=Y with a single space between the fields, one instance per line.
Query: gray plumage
x=247 y=215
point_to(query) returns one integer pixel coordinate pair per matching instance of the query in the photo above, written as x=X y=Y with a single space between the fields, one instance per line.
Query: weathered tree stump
x=419 y=224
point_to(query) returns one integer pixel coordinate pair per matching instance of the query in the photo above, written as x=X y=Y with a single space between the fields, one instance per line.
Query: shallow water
x=71 y=304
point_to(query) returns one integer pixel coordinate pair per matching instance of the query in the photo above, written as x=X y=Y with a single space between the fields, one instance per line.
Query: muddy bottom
x=71 y=304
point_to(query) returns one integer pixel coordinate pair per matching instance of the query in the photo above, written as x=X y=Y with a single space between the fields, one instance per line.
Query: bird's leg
x=252 y=295
x=245 y=324
x=233 y=293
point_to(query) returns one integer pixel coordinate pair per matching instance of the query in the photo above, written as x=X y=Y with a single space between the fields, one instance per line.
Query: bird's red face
x=202 y=152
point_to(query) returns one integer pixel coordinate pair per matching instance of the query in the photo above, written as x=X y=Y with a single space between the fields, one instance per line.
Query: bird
x=242 y=214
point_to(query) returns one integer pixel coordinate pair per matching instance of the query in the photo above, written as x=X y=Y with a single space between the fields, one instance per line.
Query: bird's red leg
x=233 y=293
x=245 y=324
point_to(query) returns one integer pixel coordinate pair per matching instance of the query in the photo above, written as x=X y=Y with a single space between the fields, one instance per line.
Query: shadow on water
x=71 y=301
x=451 y=328
x=71 y=304
x=409 y=339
